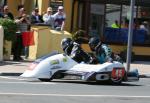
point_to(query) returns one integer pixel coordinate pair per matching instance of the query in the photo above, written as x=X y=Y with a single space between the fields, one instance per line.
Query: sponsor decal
x=102 y=76
x=51 y=73
x=76 y=72
x=56 y=67
x=64 y=59
x=117 y=73
x=83 y=78
x=32 y=66
x=87 y=75
x=106 y=69
x=53 y=62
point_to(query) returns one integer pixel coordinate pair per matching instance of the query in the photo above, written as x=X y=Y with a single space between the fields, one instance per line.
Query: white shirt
x=58 y=19
x=48 y=19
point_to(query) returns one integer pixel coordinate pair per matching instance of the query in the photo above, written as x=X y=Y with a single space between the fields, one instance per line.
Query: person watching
x=36 y=17
x=115 y=24
x=1 y=12
x=59 y=19
x=23 y=23
x=48 y=18
x=7 y=13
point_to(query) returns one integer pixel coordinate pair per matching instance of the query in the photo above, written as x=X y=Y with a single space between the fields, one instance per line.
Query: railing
x=120 y=35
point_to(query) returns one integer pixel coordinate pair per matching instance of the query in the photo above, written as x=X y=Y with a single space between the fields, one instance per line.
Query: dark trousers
x=17 y=47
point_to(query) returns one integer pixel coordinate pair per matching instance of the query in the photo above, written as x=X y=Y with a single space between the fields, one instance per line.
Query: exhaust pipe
x=133 y=75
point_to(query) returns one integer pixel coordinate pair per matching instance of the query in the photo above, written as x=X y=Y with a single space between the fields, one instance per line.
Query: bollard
x=1 y=42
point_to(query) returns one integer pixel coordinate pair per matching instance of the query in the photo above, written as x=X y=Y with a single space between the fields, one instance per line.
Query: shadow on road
x=93 y=83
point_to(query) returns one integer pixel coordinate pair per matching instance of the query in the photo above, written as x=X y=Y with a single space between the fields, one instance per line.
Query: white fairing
x=105 y=67
x=47 y=67
x=50 y=65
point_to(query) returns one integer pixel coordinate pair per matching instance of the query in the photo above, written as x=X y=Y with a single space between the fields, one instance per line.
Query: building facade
x=96 y=17
x=29 y=5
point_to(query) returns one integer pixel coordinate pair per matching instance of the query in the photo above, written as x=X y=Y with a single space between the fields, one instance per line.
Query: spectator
x=48 y=18
x=59 y=19
x=115 y=24
x=7 y=14
x=23 y=23
x=22 y=20
x=36 y=17
x=20 y=6
x=1 y=12
x=145 y=26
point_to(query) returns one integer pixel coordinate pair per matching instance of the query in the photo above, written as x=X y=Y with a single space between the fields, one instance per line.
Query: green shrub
x=10 y=29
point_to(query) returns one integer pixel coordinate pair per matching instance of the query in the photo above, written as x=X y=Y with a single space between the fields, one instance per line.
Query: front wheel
x=45 y=79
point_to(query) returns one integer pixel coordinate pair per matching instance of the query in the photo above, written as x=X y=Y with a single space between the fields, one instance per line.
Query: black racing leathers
x=77 y=54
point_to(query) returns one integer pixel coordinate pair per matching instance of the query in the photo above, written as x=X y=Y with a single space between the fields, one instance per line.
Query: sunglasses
x=36 y=11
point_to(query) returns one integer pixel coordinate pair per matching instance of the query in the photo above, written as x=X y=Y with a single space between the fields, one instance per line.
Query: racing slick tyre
x=115 y=81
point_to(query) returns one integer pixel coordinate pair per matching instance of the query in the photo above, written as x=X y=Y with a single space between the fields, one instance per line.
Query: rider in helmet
x=102 y=51
x=74 y=50
x=67 y=45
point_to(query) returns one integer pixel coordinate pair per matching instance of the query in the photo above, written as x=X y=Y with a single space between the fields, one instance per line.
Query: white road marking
x=74 y=95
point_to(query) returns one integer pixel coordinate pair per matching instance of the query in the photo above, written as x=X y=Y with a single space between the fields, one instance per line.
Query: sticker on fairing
x=118 y=73
x=32 y=66
x=53 y=62
x=56 y=67
x=64 y=59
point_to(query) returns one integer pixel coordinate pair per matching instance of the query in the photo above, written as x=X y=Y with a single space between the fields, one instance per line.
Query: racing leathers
x=77 y=54
x=103 y=53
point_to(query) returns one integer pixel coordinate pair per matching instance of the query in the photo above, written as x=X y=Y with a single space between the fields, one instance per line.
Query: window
x=112 y=23
x=55 y=3
x=112 y=14
x=96 y=20
x=117 y=23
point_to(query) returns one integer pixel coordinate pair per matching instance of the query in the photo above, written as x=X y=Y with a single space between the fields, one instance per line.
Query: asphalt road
x=18 y=90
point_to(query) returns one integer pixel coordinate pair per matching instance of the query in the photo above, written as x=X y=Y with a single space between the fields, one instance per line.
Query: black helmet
x=93 y=42
x=66 y=42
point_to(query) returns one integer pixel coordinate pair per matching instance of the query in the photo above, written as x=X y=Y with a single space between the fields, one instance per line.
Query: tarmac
x=13 y=68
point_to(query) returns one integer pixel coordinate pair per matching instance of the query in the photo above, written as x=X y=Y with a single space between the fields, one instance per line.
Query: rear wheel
x=117 y=75
x=115 y=81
